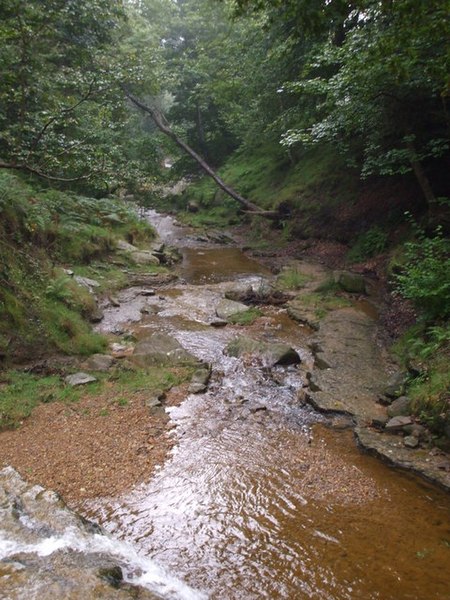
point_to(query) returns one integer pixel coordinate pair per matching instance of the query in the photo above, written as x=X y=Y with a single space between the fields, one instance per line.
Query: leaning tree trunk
x=163 y=126
x=421 y=176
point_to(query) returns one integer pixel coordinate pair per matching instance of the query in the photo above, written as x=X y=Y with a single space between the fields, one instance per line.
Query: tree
x=56 y=84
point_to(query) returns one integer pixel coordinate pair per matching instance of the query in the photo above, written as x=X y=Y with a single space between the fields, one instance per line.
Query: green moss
x=323 y=303
x=292 y=278
x=245 y=318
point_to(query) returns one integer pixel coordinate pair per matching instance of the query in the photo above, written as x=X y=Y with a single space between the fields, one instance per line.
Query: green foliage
x=426 y=350
x=368 y=244
x=425 y=277
x=292 y=278
x=40 y=307
x=245 y=318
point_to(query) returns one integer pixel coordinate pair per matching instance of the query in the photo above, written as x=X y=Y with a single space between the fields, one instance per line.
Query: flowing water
x=260 y=498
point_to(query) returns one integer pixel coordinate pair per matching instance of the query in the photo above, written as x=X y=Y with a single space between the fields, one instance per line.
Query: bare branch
x=163 y=125
x=34 y=171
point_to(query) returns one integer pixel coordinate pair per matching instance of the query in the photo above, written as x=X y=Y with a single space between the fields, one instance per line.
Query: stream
x=261 y=498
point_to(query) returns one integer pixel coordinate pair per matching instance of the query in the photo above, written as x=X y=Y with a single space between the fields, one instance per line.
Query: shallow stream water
x=261 y=498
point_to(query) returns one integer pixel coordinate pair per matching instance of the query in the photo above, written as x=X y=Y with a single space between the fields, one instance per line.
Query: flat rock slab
x=392 y=448
x=306 y=316
x=346 y=342
x=79 y=379
x=161 y=349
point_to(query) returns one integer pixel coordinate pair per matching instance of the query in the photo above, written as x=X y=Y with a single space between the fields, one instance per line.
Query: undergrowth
x=425 y=351
x=41 y=230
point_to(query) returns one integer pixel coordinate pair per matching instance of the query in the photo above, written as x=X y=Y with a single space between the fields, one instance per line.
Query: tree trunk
x=163 y=126
x=421 y=176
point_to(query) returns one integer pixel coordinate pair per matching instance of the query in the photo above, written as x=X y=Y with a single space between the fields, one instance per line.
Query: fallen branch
x=162 y=124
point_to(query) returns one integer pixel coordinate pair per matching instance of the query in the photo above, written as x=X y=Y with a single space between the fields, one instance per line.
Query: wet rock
x=99 y=362
x=380 y=421
x=200 y=379
x=304 y=315
x=411 y=441
x=53 y=553
x=353 y=380
x=144 y=257
x=322 y=361
x=125 y=246
x=226 y=308
x=395 y=386
x=341 y=422
x=240 y=292
x=86 y=282
x=79 y=379
x=400 y=407
x=218 y=323
x=417 y=430
x=353 y=283
x=96 y=315
x=392 y=449
x=114 y=301
x=270 y=354
x=144 y=279
x=161 y=349
x=258 y=408
x=397 y=423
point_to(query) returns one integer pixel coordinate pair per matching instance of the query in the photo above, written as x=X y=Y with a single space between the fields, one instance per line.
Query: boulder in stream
x=161 y=349
x=270 y=354
x=200 y=379
x=226 y=308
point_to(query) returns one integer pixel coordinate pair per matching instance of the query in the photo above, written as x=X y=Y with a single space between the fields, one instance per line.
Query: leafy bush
x=368 y=244
x=425 y=278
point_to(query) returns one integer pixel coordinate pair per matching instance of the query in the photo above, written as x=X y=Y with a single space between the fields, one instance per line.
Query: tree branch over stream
x=162 y=124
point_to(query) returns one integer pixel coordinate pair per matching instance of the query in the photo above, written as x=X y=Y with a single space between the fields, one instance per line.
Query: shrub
x=425 y=278
x=368 y=244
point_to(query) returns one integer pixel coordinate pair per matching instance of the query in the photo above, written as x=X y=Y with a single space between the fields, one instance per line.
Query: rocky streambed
x=265 y=494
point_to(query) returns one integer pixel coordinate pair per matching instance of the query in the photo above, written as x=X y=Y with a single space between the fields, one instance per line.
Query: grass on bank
x=21 y=392
x=41 y=231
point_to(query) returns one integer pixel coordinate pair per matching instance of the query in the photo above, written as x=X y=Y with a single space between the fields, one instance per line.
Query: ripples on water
x=259 y=499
